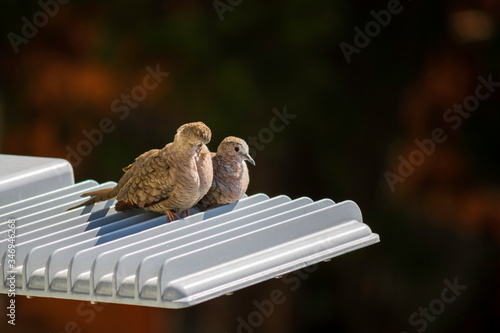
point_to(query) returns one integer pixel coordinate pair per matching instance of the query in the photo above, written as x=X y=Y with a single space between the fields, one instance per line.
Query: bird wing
x=141 y=157
x=149 y=179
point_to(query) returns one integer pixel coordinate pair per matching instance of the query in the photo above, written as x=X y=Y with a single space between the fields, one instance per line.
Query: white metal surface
x=22 y=177
x=138 y=257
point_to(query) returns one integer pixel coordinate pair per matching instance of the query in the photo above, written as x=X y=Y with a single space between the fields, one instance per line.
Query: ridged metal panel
x=138 y=257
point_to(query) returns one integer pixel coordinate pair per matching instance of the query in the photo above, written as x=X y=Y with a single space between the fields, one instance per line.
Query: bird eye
x=236 y=149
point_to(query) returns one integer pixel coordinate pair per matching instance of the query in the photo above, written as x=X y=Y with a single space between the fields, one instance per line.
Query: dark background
x=352 y=122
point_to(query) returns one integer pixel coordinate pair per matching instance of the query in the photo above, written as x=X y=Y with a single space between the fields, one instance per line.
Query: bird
x=231 y=177
x=167 y=180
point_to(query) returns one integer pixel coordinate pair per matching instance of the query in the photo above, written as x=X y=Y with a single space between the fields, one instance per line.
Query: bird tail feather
x=97 y=196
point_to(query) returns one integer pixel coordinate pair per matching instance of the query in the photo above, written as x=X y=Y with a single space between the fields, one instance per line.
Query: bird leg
x=186 y=213
x=171 y=215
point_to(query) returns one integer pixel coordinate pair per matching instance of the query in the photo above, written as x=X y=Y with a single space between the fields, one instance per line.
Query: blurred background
x=359 y=102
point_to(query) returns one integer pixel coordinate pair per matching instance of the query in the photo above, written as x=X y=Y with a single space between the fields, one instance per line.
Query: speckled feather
x=170 y=179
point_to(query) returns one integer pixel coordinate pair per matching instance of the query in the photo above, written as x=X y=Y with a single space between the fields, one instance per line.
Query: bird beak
x=249 y=158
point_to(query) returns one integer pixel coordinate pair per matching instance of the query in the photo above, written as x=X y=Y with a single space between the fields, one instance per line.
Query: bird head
x=194 y=133
x=233 y=146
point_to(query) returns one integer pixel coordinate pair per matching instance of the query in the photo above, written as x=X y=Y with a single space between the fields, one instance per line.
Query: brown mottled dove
x=167 y=180
x=230 y=174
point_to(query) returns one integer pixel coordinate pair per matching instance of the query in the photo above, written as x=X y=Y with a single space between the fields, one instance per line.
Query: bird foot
x=186 y=213
x=171 y=215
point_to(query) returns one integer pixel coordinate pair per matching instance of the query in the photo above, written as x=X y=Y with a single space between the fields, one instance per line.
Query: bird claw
x=171 y=216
